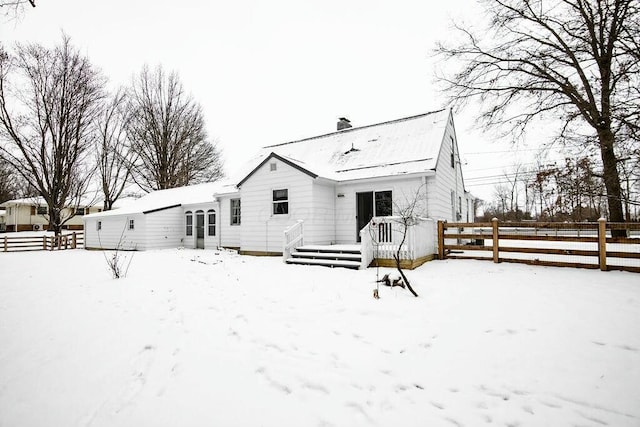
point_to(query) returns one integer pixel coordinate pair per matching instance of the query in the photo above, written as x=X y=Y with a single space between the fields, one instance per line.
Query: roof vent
x=343 y=123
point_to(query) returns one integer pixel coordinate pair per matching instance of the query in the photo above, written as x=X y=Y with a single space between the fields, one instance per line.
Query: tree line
x=570 y=190
x=63 y=132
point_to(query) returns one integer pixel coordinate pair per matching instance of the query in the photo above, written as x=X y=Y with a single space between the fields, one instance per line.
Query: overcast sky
x=273 y=71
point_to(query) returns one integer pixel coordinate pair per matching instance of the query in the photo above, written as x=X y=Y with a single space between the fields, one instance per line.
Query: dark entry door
x=200 y=230
x=364 y=210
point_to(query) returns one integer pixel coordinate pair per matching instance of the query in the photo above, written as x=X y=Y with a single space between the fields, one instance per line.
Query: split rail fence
x=578 y=245
x=41 y=243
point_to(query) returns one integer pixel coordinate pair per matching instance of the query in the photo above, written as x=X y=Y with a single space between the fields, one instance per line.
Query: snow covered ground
x=195 y=338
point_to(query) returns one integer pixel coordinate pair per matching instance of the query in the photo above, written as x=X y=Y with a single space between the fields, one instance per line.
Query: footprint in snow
x=272 y=382
x=437 y=405
x=454 y=422
x=627 y=347
x=314 y=387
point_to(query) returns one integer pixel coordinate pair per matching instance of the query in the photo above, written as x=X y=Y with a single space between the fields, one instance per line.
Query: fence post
x=5 y=244
x=74 y=242
x=602 y=243
x=44 y=243
x=494 y=226
x=440 y=239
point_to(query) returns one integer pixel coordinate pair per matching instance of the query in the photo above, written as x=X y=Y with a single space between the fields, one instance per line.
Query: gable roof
x=171 y=198
x=396 y=147
x=290 y=162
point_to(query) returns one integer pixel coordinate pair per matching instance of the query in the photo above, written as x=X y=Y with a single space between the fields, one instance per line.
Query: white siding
x=346 y=225
x=115 y=233
x=261 y=230
x=447 y=180
x=163 y=229
x=319 y=226
x=229 y=234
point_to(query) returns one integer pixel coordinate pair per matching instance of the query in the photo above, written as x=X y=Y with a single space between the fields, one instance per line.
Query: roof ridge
x=355 y=128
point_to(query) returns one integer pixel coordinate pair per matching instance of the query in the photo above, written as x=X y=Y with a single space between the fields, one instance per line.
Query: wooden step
x=327 y=255
x=344 y=249
x=325 y=262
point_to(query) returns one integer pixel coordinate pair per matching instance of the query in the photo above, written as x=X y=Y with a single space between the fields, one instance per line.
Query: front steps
x=348 y=256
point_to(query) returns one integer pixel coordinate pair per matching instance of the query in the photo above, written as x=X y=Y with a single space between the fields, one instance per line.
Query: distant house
x=326 y=190
x=3 y=225
x=32 y=213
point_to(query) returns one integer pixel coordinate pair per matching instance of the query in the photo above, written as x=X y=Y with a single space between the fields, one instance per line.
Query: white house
x=323 y=190
x=32 y=213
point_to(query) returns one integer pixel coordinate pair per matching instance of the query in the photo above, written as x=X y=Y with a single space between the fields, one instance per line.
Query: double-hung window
x=189 y=218
x=211 y=222
x=235 y=211
x=281 y=202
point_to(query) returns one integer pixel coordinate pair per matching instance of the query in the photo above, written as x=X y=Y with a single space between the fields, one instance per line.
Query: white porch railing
x=382 y=236
x=293 y=238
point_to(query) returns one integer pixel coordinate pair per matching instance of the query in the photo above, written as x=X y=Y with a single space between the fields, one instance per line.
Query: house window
x=42 y=210
x=99 y=225
x=189 y=231
x=235 y=211
x=453 y=157
x=273 y=167
x=79 y=211
x=211 y=221
x=9 y=211
x=132 y=224
x=280 y=202
x=383 y=203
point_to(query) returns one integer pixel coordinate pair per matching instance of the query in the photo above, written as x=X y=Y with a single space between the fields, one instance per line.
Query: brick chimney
x=343 y=123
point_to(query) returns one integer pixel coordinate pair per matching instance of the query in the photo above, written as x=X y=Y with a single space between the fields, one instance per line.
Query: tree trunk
x=611 y=179
x=404 y=278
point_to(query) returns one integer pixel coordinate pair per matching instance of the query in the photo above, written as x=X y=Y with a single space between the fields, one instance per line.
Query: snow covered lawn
x=203 y=338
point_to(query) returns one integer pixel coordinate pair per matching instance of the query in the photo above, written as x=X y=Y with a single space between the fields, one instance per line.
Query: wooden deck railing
x=582 y=245
x=293 y=238
x=41 y=243
x=382 y=236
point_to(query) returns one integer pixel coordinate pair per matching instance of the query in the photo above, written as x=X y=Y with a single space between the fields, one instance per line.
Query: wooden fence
x=581 y=245
x=41 y=243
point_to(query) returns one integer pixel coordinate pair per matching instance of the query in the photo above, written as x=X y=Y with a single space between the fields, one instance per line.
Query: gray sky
x=273 y=71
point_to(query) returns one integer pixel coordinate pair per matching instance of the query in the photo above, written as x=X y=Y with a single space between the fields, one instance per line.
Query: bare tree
x=571 y=59
x=11 y=183
x=48 y=100
x=112 y=149
x=14 y=8
x=167 y=133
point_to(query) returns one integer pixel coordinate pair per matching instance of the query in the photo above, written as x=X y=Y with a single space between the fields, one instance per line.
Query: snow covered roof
x=157 y=200
x=39 y=201
x=397 y=147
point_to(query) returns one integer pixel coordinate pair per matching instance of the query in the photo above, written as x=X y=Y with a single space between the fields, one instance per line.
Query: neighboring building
x=31 y=214
x=333 y=184
x=3 y=225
